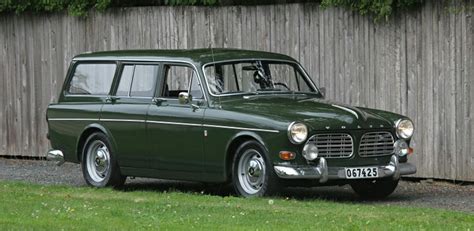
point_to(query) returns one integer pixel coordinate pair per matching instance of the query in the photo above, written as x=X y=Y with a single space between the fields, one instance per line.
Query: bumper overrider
x=56 y=156
x=324 y=173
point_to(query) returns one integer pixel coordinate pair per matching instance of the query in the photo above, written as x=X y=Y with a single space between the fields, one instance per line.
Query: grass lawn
x=27 y=206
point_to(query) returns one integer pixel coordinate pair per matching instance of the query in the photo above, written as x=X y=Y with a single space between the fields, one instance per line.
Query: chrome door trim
x=240 y=128
x=167 y=123
x=72 y=119
x=173 y=123
x=122 y=120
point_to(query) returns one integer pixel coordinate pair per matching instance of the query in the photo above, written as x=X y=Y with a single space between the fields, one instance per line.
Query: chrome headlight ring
x=297 y=132
x=404 y=128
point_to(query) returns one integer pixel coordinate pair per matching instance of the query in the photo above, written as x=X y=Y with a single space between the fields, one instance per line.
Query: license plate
x=362 y=173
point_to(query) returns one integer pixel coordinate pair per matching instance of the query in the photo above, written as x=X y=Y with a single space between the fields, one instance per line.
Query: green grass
x=26 y=206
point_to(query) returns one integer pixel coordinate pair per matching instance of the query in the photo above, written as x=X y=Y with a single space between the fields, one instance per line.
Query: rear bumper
x=324 y=173
x=55 y=155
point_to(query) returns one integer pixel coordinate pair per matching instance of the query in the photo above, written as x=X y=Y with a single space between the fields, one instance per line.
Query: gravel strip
x=432 y=194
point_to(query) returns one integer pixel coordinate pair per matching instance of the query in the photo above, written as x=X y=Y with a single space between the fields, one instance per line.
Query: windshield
x=256 y=77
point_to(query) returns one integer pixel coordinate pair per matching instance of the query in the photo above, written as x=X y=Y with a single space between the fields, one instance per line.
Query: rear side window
x=138 y=80
x=92 y=79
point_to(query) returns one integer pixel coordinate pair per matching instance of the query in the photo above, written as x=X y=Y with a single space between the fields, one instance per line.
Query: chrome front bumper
x=55 y=155
x=324 y=173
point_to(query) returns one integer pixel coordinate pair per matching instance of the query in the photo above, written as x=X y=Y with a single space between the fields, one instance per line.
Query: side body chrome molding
x=167 y=123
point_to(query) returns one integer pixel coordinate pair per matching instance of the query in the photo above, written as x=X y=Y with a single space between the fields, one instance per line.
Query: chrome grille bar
x=376 y=144
x=334 y=145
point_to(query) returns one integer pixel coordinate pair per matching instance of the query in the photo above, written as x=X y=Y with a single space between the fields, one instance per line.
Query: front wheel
x=99 y=166
x=375 y=189
x=252 y=173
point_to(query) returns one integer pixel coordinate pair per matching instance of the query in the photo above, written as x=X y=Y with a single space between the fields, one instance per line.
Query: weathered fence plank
x=420 y=63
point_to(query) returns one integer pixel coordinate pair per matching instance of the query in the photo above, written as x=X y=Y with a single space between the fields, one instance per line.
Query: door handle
x=194 y=107
x=158 y=101
x=111 y=99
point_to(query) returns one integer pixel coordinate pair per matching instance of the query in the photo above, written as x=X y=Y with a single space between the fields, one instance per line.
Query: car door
x=124 y=114
x=175 y=130
x=88 y=85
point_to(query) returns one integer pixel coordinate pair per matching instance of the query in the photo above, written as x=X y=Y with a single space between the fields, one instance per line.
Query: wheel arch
x=234 y=143
x=87 y=131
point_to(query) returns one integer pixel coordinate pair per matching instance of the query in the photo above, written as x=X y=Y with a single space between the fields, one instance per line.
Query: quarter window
x=195 y=87
x=92 y=79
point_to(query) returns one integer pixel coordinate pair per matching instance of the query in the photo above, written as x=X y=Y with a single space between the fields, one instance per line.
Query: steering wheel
x=282 y=84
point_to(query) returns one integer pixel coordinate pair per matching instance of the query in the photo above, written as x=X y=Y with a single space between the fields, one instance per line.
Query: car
x=252 y=119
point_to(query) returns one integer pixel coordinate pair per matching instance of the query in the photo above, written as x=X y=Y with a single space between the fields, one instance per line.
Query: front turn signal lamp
x=286 y=155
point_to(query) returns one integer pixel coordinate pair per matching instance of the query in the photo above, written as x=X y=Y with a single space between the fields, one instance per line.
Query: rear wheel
x=99 y=166
x=252 y=173
x=375 y=189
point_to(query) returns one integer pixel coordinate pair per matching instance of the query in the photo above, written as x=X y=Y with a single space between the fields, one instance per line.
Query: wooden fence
x=420 y=64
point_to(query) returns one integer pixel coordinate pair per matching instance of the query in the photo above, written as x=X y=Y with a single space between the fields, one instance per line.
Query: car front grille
x=376 y=144
x=337 y=145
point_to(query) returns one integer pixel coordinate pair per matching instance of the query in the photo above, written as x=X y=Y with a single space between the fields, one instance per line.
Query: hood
x=318 y=114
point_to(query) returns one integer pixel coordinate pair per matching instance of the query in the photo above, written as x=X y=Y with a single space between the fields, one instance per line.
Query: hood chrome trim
x=347 y=110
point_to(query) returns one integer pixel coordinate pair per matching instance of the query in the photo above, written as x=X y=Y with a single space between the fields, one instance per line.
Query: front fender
x=234 y=143
x=248 y=134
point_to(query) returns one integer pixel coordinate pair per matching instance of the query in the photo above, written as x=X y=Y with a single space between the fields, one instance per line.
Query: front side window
x=137 y=80
x=92 y=79
x=181 y=79
x=256 y=77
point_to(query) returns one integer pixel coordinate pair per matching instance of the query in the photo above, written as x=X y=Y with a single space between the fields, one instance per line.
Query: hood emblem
x=327 y=127
x=370 y=126
x=343 y=127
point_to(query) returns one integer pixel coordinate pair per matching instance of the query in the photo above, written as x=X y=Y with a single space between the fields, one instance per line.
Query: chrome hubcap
x=98 y=160
x=251 y=170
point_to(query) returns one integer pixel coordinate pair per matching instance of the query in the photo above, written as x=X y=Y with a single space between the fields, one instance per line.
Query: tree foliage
x=74 y=7
x=81 y=7
x=379 y=8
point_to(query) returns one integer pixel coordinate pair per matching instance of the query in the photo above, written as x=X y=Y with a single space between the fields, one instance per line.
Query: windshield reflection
x=256 y=77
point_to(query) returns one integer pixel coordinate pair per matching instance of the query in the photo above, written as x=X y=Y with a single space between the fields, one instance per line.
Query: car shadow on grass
x=342 y=194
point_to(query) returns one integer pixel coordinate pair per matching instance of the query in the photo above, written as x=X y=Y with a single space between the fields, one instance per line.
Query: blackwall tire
x=99 y=166
x=252 y=172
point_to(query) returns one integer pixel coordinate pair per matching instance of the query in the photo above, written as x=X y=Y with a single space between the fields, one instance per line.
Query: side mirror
x=322 y=90
x=184 y=98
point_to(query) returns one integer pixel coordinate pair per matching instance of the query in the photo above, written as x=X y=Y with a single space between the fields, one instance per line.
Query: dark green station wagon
x=250 y=118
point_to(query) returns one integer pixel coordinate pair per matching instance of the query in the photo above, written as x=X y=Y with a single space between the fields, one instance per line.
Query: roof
x=201 y=56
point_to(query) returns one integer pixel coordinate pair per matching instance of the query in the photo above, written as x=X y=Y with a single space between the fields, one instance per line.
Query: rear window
x=92 y=79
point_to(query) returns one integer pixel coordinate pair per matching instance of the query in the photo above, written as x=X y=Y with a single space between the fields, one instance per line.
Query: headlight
x=297 y=132
x=404 y=128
